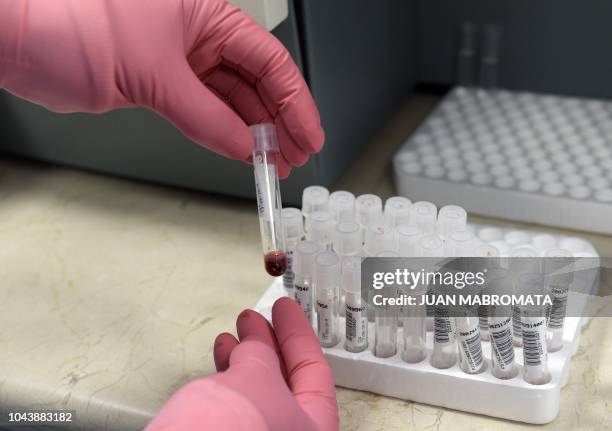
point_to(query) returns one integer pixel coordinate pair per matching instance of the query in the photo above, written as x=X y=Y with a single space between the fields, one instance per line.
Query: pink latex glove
x=202 y=64
x=273 y=379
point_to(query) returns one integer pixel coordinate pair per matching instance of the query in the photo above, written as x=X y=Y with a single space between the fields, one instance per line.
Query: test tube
x=450 y=219
x=414 y=330
x=327 y=285
x=378 y=237
x=503 y=365
x=397 y=211
x=489 y=57
x=368 y=210
x=487 y=251
x=342 y=206
x=523 y=260
x=303 y=267
x=314 y=198
x=533 y=329
x=356 y=332
x=293 y=232
x=407 y=237
x=467 y=332
x=558 y=267
x=347 y=239
x=320 y=228
x=424 y=216
x=385 y=325
x=465 y=55
x=269 y=203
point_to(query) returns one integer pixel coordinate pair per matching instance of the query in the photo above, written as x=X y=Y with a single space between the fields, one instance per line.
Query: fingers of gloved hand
x=224 y=345
x=252 y=326
x=201 y=116
x=309 y=376
x=292 y=153
x=263 y=60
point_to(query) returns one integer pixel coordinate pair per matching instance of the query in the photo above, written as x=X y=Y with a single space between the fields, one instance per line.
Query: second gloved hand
x=202 y=64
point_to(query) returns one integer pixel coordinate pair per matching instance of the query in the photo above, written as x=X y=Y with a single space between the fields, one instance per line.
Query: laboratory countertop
x=113 y=292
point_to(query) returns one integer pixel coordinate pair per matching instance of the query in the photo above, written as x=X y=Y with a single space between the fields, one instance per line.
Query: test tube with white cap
x=424 y=215
x=356 y=332
x=303 y=267
x=368 y=210
x=342 y=206
x=559 y=269
x=347 y=241
x=326 y=284
x=397 y=211
x=503 y=365
x=320 y=229
x=269 y=204
x=533 y=328
x=293 y=230
x=385 y=324
x=314 y=198
x=523 y=260
x=486 y=251
x=378 y=237
x=451 y=218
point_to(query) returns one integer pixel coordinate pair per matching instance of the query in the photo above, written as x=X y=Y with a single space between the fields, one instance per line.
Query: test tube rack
x=522 y=156
x=482 y=393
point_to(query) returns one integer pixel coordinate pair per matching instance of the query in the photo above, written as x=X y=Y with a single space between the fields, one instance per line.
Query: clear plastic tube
x=303 y=267
x=320 y=229
x=368 y=210
x=466 y=55
x=385 y=325
x=327 y=285
x=342 y=206
x=314 y=198
x=414 y=328
x=503 y=365
x=469 y=344
x=451 y=218
x=356 y=332
x=397 y=211
x=378 y=237
x=407 y=237
x=485 y=251
x=269 y=203
x=523 y=260
x=293 y=232
x=424 y=215
x=558 y=267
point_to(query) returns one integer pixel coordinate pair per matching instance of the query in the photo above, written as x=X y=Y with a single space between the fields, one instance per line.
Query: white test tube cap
x=293 y=228
x=265 y=137
x=368 y=209
x=326 y=271
x=460 y=243
x=314 y=198
x=347 y=238
x=303 y=262
x=378 y=237
x=320 y=226
x=424 y=216
x=342 y=205
x=430 y=246
x=559 y=266
x=351 y=275
x=450 y=219
x=397 y=211
x=407 y=237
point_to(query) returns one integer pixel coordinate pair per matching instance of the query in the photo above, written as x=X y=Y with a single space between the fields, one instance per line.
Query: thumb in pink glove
x=274 y=378
x=202 y=64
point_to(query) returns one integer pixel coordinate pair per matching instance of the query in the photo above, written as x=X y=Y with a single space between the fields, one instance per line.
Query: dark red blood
x=276 y=263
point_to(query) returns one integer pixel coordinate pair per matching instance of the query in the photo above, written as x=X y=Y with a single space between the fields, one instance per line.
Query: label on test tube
x=303 y=296
x=535 y=358
x=443 y=326
x=289 y=275
x=559 y=307
x=470 y=348
x=517 y=338
x=263 y=178
x=356 y=324
x=325 y=323
x=501 y=342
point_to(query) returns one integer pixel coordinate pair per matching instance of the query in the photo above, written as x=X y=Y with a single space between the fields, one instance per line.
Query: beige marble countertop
x=113 y=292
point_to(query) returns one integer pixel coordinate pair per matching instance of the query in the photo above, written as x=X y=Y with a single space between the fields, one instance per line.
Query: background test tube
x=314 y=198
x=342 y=206
x=378 y=237
x=385 y=325
x=326 y=283
x=503 y=365
x=466 y=55
x=450 y=219
x=368 y=210
x=467 y=332
x=533 y=330
x=424 y=216
x=293 y=231
x=320 y=228
x=414 y=330
x=269 y=203
x=558 y=267
x=407 y=237
x=523 y=260
x=485 y=251
x=397 y=211
x=303 y=267
x=356 y=332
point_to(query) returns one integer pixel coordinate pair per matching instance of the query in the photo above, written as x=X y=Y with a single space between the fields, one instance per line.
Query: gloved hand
x=202 y=64
x=274 y=378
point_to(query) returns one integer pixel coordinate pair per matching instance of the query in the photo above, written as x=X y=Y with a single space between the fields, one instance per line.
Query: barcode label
x=289 y=275
x=325 y=324
x=534 y=340
x=516 y=322
x=303 y=297
x=356 y=326
x=472 y=350
x=558 y=309
x=443 y=327
x=501 y=342
x=483 y=317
